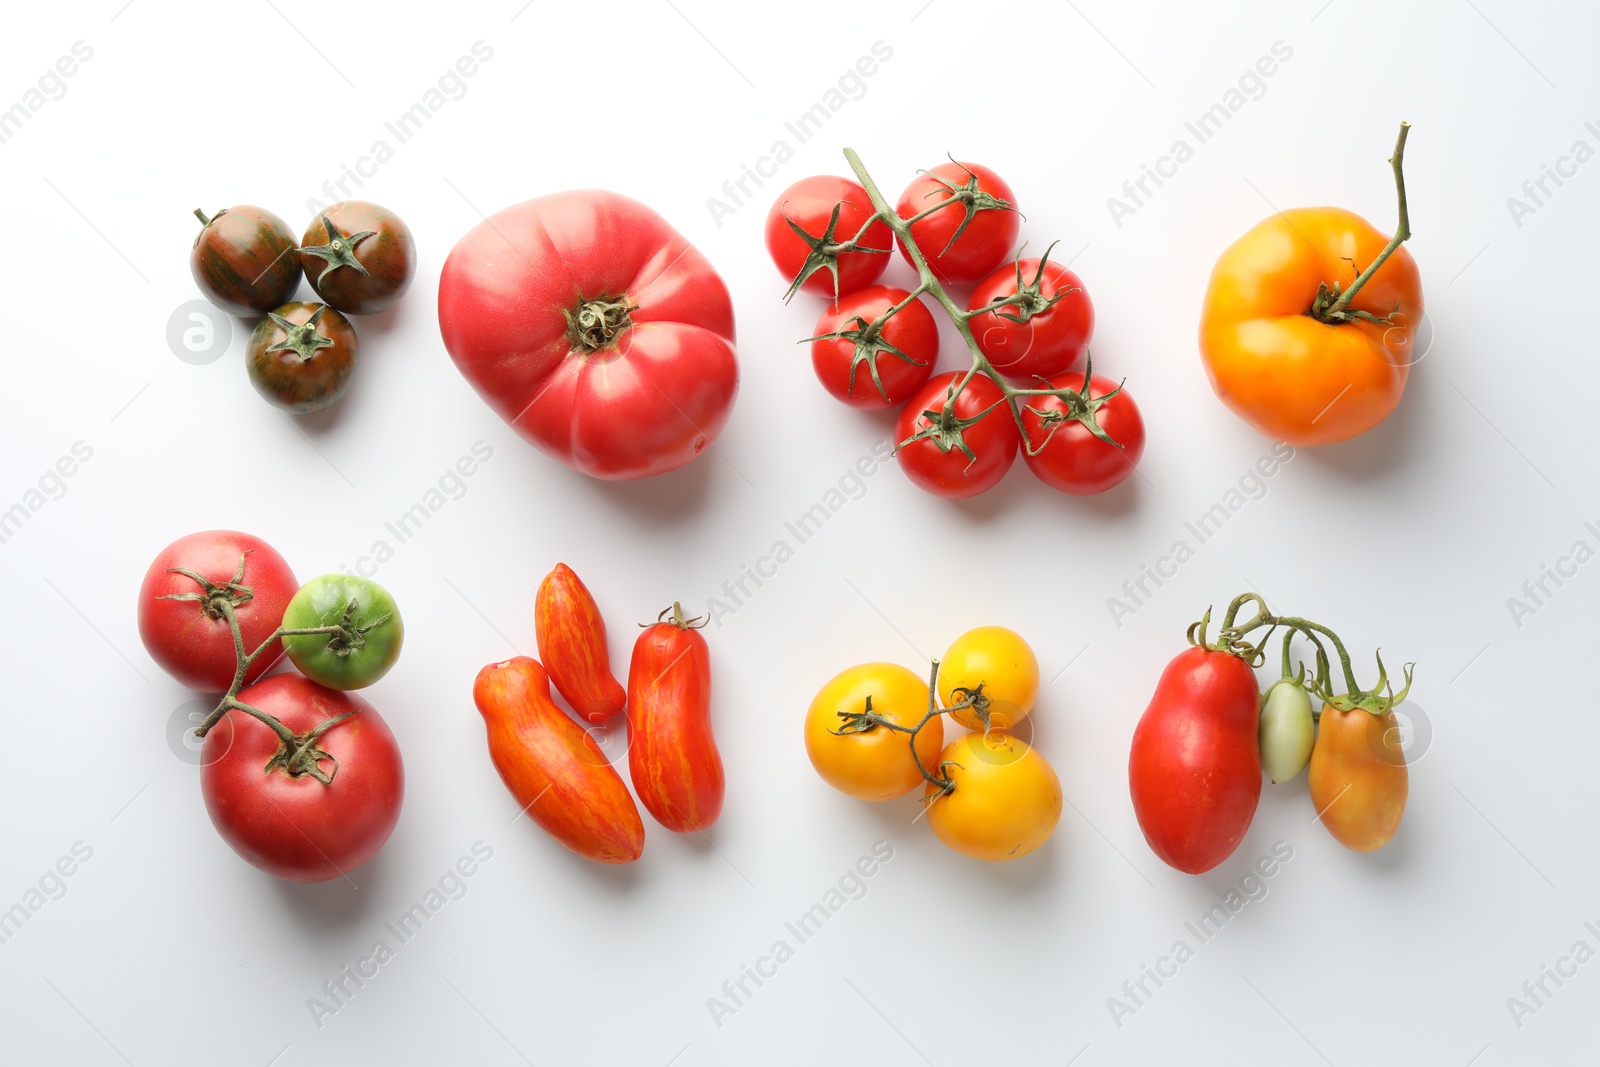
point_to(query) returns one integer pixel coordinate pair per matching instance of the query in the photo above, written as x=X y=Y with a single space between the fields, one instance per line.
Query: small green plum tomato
x=371 y=637
x=1287 y=730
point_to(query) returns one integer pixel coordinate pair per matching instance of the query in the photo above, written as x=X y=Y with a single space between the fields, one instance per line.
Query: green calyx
x=972 y=200
x=1081 y=407
x=596 y=324
x=349 y=637
x=868 y=339
x=301 y=755
x=300 y=338
x=824 y=250
x=340 y=251
x=945 y=429
x=1029 y=299
x=212 y=597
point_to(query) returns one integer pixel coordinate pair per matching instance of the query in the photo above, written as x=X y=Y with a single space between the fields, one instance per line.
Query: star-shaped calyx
x=340 y=251
x=302 y=339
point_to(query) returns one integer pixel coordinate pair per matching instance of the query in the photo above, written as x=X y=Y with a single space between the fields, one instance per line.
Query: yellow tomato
x=1358 y=777
x=876 y=764
x=999 y=660
x=1006 y=800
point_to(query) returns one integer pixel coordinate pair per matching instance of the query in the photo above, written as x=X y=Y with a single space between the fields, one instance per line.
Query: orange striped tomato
x=671 y=753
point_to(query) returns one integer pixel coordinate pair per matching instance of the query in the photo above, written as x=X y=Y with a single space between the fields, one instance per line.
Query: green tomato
x=369 y=641
x=1287 y=730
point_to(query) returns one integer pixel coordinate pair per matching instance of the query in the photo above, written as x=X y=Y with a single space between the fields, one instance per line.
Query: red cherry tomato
x=1195 y=767
x=671 y=754
x=804 y=258
x=974 y=234
x=189 y=637
x=874 y=370
x=294 y=826
x=1065 y=454
x=595 y=330
x=939 y=460
x=1045 y=332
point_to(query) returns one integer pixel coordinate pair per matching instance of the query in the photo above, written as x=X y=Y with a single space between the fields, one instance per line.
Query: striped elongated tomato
x=553 y=767
x=572 y=640
x=671 y=753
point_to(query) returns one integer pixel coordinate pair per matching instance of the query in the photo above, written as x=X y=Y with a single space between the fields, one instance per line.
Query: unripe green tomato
x=1287 y=730
x=363 y=606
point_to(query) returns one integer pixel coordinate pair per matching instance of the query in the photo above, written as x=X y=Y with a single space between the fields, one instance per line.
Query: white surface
x=168 y=949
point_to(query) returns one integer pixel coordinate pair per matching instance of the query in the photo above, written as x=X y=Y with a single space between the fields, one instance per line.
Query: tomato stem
x=1332 y=306
x=858 y=722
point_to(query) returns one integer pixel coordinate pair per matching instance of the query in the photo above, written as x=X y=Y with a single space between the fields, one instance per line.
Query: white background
x=166 y=948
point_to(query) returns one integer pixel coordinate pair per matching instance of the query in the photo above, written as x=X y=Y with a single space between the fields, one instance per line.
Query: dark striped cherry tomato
x=302 y=356
x=359 y=257
x=243 y=260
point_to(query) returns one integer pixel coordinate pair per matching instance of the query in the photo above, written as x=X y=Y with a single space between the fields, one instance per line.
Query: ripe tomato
x=181 y=621
x=1294 y=378
x=1065 y=454
x=359 y=257
x=952 y=457
x=875 y=764
x=806 y=225
x=672 y=756
x=553 y=766
x=243 y=260
x=974 y=234
x=595 y=330
x=1195 y=767
x=301 y=357
x=1006 y=801
x=362 y=606
x=1001 y=662
x=1358 y=777
x=1045 y=332
x=897 y=359
x=572 y=640
x=294 y=826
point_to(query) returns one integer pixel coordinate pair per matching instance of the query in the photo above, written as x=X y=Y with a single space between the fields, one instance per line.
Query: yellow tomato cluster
x=990 y=794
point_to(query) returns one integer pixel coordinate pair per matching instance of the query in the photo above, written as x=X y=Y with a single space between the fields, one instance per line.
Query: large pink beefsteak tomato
x=594 y=329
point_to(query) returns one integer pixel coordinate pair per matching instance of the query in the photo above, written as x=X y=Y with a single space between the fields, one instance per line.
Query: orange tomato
x=999 y=660
x=1295 y=377
x=1006 y=801
x=1358 y=777
x=572 y=641
x=875 y=764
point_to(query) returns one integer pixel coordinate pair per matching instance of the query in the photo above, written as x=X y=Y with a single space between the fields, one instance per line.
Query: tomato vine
x=859 y=722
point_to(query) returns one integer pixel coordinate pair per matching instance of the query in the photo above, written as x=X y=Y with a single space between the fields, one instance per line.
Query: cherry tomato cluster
x=300 y=777
x=359 y=258
x=1199 y=750
x=876 y=732
x=1027 y=324
x=539 y=749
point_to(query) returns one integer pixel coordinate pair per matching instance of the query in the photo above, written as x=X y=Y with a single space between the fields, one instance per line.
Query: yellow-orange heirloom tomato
x=999 y=660
x=1282 y=349
x=1005 y=801
x=1358 y=777
x=874 y=764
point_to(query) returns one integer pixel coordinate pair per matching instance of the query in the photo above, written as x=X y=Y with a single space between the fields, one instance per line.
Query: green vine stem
x=944 y=427
x=859 y=722
x=1231 y=639
x=1333 y=306
x=297 y=754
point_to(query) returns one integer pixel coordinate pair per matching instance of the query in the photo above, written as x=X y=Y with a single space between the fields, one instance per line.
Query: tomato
x=945 y=457
x=301 y=357
x=971 y=236
x=595 y=330
x=1295 y=340
x=364 y=608
x=1061 y=449
x=1358 y=777
x=897 y=359
x=1006 y=799
x=572 y=640
x=292 y=825
x=182 y=621
x=875 y=764
x=809 y=222
x=1001 y=662
x=552 y=765
x=672 y=756
x=1287 y=730
x=243 y=260
x=359 y=257
x=1045 y=331
x=1195 y=767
